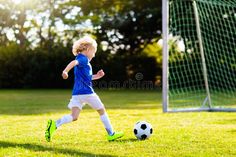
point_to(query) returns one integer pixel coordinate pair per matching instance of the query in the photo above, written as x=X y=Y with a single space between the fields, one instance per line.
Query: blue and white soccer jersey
x=83 y=92
x=83 y=76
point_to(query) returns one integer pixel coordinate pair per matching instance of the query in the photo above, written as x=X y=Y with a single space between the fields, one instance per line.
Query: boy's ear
x=88 y=48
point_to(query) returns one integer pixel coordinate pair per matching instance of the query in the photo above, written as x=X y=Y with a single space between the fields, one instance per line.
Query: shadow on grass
x=127 y=140
x=35 y=147
x=233 y=131
x=225 y=121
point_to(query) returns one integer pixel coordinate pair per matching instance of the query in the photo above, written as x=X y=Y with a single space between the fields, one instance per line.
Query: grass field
x=24 y=113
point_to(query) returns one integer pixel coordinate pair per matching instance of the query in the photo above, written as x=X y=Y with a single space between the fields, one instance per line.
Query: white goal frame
x=165 y=68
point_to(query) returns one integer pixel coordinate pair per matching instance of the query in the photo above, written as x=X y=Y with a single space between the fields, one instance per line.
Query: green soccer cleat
x=51 y=127
x=115 y=136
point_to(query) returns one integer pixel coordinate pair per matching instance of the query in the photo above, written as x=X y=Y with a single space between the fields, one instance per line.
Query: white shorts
x=91 y=99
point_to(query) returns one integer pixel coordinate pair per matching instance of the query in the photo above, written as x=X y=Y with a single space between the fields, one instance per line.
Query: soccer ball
x=142 y=130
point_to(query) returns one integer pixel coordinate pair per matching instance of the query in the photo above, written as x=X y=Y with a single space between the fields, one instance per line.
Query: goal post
x=199 y=55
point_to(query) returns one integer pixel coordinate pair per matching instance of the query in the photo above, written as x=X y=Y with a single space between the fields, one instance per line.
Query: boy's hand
x=100 y=73
x=64 y=75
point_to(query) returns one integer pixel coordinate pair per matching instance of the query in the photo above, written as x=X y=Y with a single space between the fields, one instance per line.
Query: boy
x=84 y=49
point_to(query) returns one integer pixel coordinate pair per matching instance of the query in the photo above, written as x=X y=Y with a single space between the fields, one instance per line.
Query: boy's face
x=91 y=53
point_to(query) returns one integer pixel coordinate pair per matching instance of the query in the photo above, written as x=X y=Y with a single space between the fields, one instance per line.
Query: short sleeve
x=82 y=60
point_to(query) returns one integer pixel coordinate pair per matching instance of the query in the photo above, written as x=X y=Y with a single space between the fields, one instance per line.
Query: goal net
x=199 y=55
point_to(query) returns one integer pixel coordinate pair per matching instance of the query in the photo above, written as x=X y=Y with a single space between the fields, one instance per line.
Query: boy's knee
x=75 y=113
x=101 y=111
x=74 y=117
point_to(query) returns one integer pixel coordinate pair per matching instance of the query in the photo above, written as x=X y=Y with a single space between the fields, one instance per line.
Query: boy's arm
x=99 y=75
x=68 y=68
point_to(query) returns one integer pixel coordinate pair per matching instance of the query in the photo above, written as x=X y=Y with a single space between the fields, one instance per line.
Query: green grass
x=24 y=113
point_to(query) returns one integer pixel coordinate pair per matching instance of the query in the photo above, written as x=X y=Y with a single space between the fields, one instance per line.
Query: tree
x=126 y=32
x=127 y=26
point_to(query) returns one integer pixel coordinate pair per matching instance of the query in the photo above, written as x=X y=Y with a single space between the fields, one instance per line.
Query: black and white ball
x=142 y=130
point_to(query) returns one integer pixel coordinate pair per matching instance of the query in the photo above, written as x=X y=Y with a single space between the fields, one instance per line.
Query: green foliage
x=33 y=39
x=21 y=68
x=37 y=68
x=120 y=68
x=154 y=50
x=131 y=23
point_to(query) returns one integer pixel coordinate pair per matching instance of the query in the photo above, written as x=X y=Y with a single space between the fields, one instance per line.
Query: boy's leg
x=95 y=102
x=106 y=121
x=53 y=125
x=69 y=118
x=107 y=124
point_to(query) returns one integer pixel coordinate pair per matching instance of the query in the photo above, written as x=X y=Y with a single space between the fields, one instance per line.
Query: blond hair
x=83 y=44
